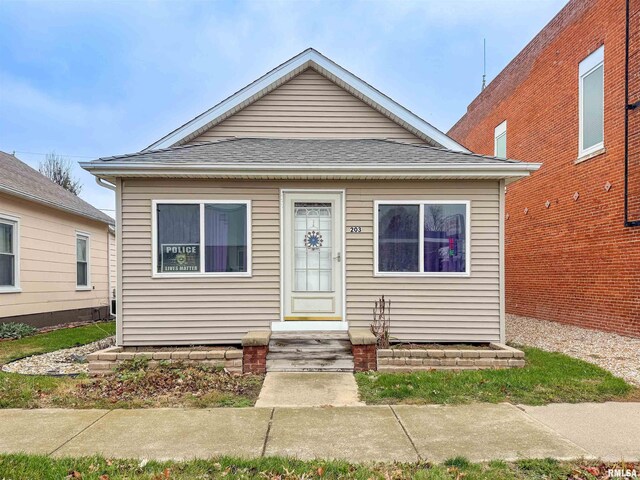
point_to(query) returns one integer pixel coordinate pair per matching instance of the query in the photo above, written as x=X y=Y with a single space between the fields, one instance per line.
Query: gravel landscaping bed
x=616 y=353
x=70 y=361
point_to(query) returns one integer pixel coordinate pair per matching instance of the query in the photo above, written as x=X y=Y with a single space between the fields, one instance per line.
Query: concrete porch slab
x=365 y=434
x=174 y=434
x=482 y=432
x=308 y=389
x=42 y=431
x=610 y=430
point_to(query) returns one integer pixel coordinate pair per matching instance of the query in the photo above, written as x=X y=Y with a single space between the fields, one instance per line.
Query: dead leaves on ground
x=137 y=382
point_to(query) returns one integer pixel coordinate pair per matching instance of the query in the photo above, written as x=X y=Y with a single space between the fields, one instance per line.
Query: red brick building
x=573 y=228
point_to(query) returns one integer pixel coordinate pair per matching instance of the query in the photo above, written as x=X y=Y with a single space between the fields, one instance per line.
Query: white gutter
x=129 y=169
x=104 y=184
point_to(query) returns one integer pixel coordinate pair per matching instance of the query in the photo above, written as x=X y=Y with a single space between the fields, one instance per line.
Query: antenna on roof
x=484 y=63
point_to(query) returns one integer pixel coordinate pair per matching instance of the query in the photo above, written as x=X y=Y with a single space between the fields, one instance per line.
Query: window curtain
x=177 y=224
x=444 y=238
x=225 y=238
x=398 y=238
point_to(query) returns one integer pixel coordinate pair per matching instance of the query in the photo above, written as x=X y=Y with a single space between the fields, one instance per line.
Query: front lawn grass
x=55 y=340
x=39 y=391
x=100 y=468
x=546 y=378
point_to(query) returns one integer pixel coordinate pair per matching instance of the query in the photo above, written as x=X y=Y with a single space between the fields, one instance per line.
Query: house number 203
x=355 y=229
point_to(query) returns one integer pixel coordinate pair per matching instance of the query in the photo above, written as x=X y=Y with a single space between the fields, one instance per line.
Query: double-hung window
x=209 y=238
x=500 y=140
x=591 y=88
x=429 y=238
x=83 y=255
x=9 y=255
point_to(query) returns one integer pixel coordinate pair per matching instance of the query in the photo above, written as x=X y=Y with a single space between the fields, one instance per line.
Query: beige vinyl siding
x=220 y=310
x=428 y=308
x=308 y=106
x=48 y=260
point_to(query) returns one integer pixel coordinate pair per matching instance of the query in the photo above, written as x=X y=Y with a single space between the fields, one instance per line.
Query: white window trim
x=587 y=66
x=87 y=237
x=15 y=221
x=201 y=273
x=499 y=131
x=421 y=204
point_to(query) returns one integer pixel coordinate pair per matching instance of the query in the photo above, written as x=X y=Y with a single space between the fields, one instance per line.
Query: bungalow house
x=294 y=204
x=55 y=251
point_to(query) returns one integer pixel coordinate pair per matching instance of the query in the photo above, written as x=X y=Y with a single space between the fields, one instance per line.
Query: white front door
x=312 y=257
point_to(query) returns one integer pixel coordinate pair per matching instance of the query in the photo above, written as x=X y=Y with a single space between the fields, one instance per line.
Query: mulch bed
x=135 y=381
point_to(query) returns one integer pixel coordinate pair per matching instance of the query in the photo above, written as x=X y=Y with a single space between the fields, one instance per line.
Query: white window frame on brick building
x=591 y=103
x=500 y=140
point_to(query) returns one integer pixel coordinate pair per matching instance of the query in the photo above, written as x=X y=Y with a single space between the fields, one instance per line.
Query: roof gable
x=20 y=180
x=308 y=106
x=310 y=58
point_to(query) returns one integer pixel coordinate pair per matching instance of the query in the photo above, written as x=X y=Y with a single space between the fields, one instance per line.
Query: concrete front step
x=287 y=365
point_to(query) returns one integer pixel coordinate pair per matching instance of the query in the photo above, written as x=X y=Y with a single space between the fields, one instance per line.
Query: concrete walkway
x=610 y=431
x=309 y=389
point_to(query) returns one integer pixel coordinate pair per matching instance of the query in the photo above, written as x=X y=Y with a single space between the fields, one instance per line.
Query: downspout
x=110 y=186
x=628 y=108
x=103 y=183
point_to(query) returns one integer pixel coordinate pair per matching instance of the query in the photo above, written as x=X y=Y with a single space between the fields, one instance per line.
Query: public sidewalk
x=609 y=431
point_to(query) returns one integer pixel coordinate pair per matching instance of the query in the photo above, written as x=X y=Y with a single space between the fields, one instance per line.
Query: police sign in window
x=202 y=237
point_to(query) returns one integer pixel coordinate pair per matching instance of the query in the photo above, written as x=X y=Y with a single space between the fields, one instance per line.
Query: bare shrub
x=381 y=321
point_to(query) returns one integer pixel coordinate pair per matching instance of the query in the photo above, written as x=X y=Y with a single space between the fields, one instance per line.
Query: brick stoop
x=364 y=350
x=255 y=347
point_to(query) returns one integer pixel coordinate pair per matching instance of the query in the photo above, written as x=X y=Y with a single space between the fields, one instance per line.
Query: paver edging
x=104 y=362
x=498 y=356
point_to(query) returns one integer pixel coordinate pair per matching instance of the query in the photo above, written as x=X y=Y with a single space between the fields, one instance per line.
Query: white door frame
x=283 y=325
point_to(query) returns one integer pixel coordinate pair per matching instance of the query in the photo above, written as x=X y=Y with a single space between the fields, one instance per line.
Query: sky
x=89 y=78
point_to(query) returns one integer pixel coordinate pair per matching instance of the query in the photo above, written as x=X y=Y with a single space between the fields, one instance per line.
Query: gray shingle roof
x=300 y=152
x=18 y=178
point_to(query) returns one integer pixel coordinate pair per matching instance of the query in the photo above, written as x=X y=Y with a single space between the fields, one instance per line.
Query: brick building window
x=500 y=140
x=592 y=103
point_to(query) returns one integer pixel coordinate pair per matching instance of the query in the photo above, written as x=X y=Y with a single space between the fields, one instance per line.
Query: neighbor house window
x=82 y=261
x=500 y=140
x=429 y=238
x=9 y=264
x=208 y=238
x=592 y=102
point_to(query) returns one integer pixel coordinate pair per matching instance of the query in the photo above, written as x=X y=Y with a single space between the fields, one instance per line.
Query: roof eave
x=270 y=171
x=41 y=201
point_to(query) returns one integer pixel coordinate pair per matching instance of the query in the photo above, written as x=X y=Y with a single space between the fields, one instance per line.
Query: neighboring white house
x=294 y=204
x=54 y=251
